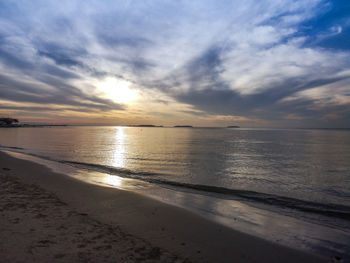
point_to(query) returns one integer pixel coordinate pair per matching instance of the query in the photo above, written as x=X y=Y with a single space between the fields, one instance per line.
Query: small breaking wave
x=11 y=147
x=326 y=209
x=332 y=210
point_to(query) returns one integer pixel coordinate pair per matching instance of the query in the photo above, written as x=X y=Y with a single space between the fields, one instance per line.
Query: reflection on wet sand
x=113 y=180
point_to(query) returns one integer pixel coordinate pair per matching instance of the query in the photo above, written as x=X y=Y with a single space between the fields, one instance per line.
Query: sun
x=117 y=90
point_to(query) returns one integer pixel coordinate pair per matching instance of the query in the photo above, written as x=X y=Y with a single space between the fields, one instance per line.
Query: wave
x=11 y=147
x=110 y=169
x=326 y=209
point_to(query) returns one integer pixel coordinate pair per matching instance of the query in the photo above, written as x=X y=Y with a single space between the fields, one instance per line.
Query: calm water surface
x=295 y=178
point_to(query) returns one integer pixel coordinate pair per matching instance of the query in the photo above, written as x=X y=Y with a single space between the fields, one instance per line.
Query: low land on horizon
x=162 y=126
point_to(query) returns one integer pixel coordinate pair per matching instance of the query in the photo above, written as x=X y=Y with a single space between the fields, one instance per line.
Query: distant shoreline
x=160 y=126
x=34 y=125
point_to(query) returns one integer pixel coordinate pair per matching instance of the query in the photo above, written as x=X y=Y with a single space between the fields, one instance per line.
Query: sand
x=50 y=217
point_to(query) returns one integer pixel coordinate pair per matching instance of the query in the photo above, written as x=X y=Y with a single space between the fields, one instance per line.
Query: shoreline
x=173 y=229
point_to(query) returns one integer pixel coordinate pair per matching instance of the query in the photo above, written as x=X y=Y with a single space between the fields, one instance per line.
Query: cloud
x=255 y=59
x=60 y=58
x=57 y=94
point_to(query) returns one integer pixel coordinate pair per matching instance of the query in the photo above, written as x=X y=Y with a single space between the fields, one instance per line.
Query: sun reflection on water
x=120 y=148
x=119 y=157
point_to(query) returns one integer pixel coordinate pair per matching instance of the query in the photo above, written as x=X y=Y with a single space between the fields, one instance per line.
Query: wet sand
x=49 y=217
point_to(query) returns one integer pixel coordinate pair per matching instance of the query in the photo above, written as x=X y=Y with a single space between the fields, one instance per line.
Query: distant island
x=183 y=126
x=233 y=126
x=144 y=125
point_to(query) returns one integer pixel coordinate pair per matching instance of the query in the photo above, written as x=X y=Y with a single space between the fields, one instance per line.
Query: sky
x=252 y=63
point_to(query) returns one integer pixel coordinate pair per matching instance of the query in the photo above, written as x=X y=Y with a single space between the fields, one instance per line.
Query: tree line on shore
x=8 y=121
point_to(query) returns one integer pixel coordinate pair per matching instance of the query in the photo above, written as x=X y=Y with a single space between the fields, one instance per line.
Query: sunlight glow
x=117 y=90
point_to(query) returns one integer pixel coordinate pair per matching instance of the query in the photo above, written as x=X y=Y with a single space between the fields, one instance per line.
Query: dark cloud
x=13 y=61
x=219 y=99
x=63 y=94
x=206 y=68
x=192 y=52
x=49 y=109
x=62 y=55
x=25 y=65
x=132 y=64
x=59 y=58
x=202 y=72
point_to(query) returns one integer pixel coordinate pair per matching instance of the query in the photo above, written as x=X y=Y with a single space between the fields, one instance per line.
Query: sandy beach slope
x=49 y=217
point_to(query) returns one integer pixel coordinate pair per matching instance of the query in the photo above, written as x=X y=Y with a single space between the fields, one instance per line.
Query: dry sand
x=49 y=217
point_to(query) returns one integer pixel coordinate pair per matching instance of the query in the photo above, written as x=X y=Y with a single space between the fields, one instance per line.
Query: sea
x=290 y=186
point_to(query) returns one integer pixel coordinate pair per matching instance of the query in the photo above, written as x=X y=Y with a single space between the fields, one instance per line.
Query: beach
x=49 y=217
x=175 y=131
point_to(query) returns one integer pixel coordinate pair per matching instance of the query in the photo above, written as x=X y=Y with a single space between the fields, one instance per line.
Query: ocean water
x=289 y=186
